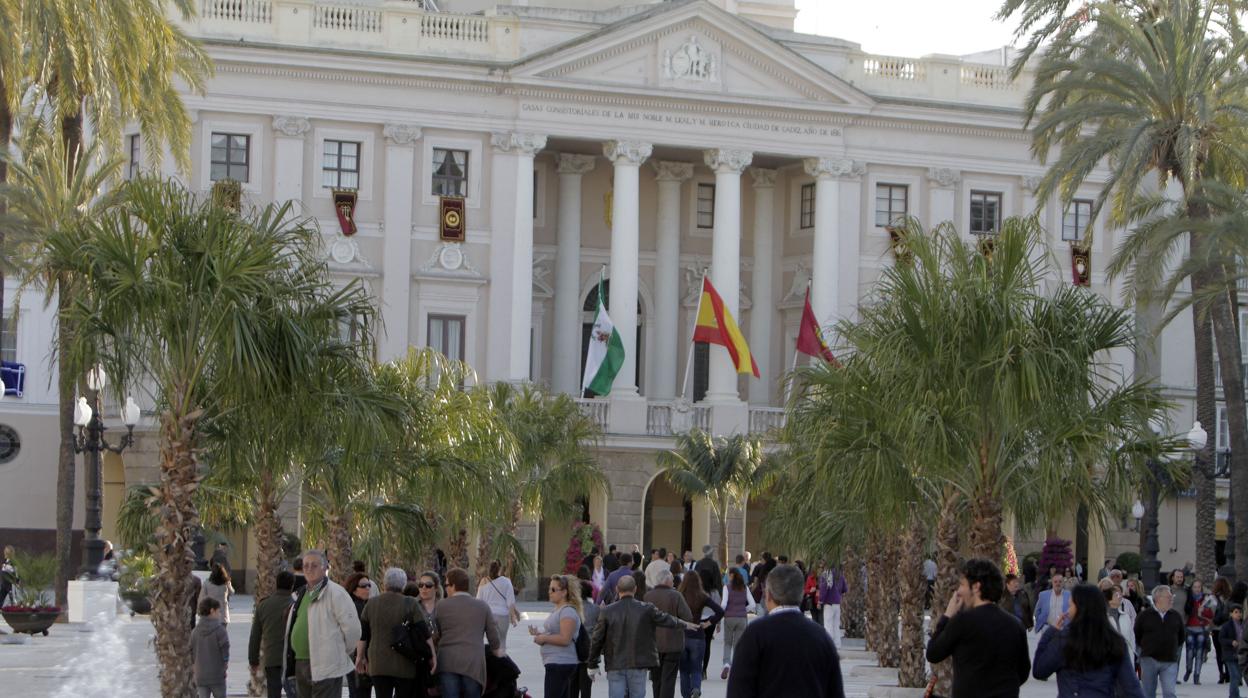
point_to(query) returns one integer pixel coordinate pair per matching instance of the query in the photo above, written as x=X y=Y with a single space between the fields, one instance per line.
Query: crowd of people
x=650 y=625
x=1107 y=639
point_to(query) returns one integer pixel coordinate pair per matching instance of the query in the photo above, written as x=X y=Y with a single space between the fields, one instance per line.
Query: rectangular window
x=1076 y=219
x=132 y=167
x=891 y=204
x=446 y=335
x=985 y=212
x=807 y=211
x=230 y=157
x=706 y=205
x=1222 y=440
x=340 y=165
x=8 y=338
x=450 y=172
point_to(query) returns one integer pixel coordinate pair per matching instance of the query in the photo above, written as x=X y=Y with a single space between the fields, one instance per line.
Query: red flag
x=716 y=325
x=810 y=339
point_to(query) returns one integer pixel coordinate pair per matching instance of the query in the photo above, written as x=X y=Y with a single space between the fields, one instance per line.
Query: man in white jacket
x=321 y=631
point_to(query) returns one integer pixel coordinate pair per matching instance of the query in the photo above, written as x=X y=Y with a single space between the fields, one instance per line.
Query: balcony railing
x=596 y=409
x=766 y=420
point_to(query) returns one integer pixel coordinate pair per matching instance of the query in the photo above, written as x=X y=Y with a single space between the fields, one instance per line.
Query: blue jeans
x=691 y=666
x=1196 y=649
x=458 y=686
x=1232 y=670
x=625 y=683
x=1153 y=671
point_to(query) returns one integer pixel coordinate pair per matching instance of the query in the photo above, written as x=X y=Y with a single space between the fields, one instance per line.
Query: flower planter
x=29 y=621
x=138 y=602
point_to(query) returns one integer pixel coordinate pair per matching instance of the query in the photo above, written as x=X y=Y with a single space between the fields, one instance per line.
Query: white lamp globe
x=82 y=412
x=1197 y=437
x=130 y=413
x=96 y=378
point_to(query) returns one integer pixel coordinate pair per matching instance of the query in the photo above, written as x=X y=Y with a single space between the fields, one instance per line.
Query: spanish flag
x=716 y=326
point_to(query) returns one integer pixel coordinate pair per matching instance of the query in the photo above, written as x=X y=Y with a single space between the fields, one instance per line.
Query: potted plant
x=137 y=572
x=33 y=611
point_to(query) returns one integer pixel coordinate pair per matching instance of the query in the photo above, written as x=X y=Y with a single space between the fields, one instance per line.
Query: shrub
x=37 y=574
x=1056 y=553
x=1129 y=562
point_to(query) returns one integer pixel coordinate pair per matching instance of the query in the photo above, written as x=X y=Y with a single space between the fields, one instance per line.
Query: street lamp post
x=1150 y=566
x=91 y=441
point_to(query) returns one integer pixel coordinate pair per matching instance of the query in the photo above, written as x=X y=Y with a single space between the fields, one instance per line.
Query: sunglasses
x=364 y=585
x=427 y=585
x=554 y=589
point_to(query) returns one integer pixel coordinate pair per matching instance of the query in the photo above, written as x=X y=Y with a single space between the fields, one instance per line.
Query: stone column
x=511 y=255
x=567 y=349
x=670 y=176
x=396 y=268
x=726 y=260
x=761 y=287
x=825 y=297
x=942 y=184
x=627 y=157
x=288 y=142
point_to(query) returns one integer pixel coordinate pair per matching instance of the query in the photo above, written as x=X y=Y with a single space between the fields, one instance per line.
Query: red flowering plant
x=585 y=537
x=1011 y=559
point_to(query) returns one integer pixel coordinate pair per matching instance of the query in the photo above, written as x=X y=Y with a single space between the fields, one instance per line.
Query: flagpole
x=684 y=384
x=788 y=388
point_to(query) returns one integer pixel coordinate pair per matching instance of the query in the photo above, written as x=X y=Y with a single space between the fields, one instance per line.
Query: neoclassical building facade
x=648 y=144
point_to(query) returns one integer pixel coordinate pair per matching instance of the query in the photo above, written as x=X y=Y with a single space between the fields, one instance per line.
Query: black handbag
x=410 y=639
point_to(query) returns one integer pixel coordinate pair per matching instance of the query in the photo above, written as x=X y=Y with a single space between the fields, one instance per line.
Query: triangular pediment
x=691 y=49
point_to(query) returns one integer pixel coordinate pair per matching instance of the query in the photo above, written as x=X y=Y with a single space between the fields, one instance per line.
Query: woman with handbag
x=360 y=587
x=390 y=625
x=557 y=638
x=497 y=591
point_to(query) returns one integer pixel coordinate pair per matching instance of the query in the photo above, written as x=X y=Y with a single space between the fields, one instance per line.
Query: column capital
x=727 y=160
x=943 y=176
x=521 y=143
x=293 y=126
x=1031 y=184
x=627 y=152
x=668 y=171
x=572 y=163
x=763 y=179
x=401 y=134
x=840 y=168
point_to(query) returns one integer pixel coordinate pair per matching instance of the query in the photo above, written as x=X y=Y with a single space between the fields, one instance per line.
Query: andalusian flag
x=606 y=351
x=716 y=326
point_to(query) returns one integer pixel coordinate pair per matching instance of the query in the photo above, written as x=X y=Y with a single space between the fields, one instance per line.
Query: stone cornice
x=628 y=152
x=292 y=126
x=763 y=179
x=841 y=168
x=668 y=171
x=727 y=160
x=574 y=163
x=401 y=134
x=520 y=143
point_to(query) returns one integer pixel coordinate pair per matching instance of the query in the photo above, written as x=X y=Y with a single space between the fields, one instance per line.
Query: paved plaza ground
x=75 y=661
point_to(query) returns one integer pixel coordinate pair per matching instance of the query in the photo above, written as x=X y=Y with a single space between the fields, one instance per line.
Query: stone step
x=857 y=655
x=878 y=673
x=894 y=692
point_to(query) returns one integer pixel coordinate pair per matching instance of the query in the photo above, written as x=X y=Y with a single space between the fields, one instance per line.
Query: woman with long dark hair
x=219 y=587
x=703 y=608
x=1221 y=614
x=738 y=602
x=1200 y=607
x=1088 y=655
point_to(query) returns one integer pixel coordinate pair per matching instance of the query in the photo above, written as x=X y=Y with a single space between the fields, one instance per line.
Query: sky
x=908 y=27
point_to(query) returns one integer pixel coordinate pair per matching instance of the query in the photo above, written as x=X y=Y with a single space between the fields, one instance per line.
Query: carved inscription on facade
x=609 y=115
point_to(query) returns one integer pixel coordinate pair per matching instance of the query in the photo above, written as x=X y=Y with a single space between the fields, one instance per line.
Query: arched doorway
x=755 y=512
x=589 y=308
x=667 y=518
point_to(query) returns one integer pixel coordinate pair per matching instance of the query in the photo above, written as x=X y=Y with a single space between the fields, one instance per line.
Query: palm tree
x=47 y=217
x=724 y=470
x=1159 y=91
x=214 y=310
x=555 y=466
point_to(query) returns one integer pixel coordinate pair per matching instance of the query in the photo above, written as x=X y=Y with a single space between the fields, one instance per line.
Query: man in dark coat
x=785 y=654
x=268 y=633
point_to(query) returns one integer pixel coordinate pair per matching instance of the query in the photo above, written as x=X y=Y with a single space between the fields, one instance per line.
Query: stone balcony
x=670 y=417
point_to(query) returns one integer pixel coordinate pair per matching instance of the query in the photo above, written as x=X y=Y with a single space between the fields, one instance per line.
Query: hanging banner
x=451 y=218
x=1081 y=265
x=344 y=206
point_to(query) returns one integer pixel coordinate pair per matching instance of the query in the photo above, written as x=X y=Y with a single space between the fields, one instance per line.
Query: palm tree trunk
x=723 y=533
x=890 y=642
x=1202 y=472
x=947 y=563
x=171 y=600
x=268 y=532
x=853 y=605
x=513 y=525
x=6 y=137
x=912 y=663
x=483 y=553
x=987 y=516
x=339 y=553
x=878 y=623
x=458 y=549
x=66 y=460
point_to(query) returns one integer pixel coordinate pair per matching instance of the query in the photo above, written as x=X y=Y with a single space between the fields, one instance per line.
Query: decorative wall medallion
x=10 y=443
x=451 y=257
x=690 y=61
x=343 y=250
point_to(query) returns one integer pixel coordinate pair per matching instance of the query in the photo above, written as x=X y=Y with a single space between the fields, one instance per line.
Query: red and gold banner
x=1081 y=265
x=451 y=218
x=344 y=207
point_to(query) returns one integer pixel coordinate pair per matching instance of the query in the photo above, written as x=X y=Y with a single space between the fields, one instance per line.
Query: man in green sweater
x=268 y=634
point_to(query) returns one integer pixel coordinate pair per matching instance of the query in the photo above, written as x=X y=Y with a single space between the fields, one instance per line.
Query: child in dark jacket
x=1231 y=637
x=210 y=647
